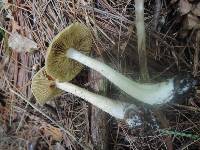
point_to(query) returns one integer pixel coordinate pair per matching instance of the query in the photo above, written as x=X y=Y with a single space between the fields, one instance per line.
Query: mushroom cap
x=76 y=36
x=43 y=87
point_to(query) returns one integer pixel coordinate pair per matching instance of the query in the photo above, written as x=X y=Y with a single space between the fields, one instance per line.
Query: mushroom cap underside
x=43 y=87
x=76 y=36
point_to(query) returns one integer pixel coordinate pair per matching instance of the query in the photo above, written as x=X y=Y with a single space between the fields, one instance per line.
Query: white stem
x=141 y=38
x=113 y=107
x=148 y=93
x=139 y=11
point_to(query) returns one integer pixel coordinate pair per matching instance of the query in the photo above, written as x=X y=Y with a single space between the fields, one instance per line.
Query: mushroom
x=73 y=43
x=44 y=88
x=76 y=35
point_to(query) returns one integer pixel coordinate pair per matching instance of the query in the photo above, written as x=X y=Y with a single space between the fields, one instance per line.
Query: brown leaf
x=191 y=22
x=196 y=10
x=173 y=1
x=58 y=146
x=20 y=44
x=184 y=7
x=49 y=130
x=15 y=26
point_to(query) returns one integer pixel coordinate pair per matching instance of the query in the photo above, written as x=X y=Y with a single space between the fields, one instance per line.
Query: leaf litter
x=110 y=21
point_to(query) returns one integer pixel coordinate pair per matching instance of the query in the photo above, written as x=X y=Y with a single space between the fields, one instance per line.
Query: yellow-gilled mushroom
x=44 y=88
x=75 y=36
x=69 y=49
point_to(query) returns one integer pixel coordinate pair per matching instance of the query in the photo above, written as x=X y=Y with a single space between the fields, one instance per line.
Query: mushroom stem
x=139 y=12
x=115 y=108
x=157 y=93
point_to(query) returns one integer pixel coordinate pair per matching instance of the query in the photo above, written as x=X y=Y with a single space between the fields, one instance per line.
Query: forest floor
x=67 y=122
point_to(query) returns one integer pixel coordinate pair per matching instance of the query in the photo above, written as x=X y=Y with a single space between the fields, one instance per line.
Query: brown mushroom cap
x=43 y=87
x=76 y=36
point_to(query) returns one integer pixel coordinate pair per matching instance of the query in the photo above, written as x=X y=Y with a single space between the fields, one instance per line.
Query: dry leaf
x=196 y=10
x=15 y=26
x=173 y=1
x=58 y=146
x=184 y=7
x=4 y=4
x=20 y=44
x=191 y=22
x=49 y=130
